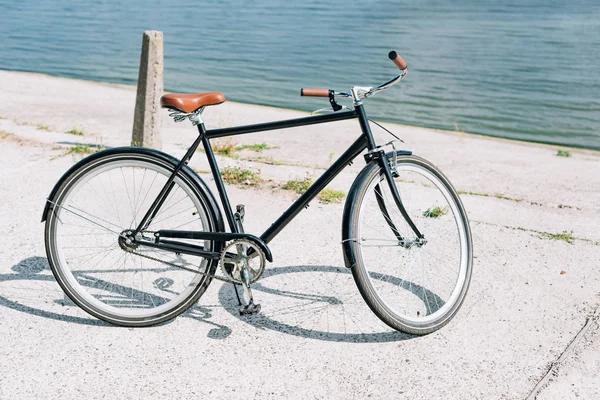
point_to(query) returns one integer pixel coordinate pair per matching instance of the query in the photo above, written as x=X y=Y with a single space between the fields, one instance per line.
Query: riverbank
x=536 y=278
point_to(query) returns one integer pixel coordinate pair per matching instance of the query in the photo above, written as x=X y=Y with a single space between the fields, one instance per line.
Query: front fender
x=199 y=184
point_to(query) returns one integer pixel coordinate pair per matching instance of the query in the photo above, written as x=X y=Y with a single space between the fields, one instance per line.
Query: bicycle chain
x=220 y=278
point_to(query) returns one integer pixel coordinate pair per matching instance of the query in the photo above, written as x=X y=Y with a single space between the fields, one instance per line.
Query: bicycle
x=152 y=230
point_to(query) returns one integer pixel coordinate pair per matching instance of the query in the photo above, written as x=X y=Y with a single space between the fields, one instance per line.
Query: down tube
x=353 y=151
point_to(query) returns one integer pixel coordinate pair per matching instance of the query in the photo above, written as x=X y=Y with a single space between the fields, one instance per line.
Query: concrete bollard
x=147 y=116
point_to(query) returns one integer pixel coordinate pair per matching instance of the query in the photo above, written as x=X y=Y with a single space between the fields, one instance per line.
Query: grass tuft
x=229 y=147
x=564 y=236
x=328 y=196
x=43 y=128
x=239 y=176
x=258 y=147
x=503 y=197
x=225 y=147
x=563 y=153
x=473 y=193
x=84 y=149
x=435 y=212
x=74 y=131
x=298 y=185
x=78 y=149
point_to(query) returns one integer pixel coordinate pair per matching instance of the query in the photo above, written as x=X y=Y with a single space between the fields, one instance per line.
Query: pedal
x=250 y=309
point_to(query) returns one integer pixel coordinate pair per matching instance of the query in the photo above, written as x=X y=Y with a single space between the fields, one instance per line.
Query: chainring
x=234 y=257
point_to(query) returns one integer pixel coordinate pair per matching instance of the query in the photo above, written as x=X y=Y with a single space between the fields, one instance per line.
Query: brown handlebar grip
x=400 y=63
x=314 y=92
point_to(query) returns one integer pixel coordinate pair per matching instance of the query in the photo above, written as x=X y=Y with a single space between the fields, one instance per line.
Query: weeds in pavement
x=503 y=197
x=239 y=176
x=298 y=185
x=563 y=153
x=43 y=128
x=435 y=212
x=328 y=196
x=564 y=236
x=258 y=147
x=229 y=147
x=78 y=149
x=473 y=193
x=83 y=149
x=225 y=147
x=75 y=131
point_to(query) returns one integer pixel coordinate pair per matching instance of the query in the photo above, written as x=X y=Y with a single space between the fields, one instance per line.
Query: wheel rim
x=99 y=203
x=419 y=286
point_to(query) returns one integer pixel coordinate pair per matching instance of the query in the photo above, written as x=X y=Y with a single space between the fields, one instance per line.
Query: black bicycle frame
x=364 y=142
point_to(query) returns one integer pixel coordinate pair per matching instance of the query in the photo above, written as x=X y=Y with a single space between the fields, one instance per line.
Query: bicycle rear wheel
x=124 y=285
x=412 y=287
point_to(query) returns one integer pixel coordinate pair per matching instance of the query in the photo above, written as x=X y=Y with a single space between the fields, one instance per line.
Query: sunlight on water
x=520 y=69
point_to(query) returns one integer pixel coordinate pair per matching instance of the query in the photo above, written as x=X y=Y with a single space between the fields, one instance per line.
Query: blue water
x=524 y=69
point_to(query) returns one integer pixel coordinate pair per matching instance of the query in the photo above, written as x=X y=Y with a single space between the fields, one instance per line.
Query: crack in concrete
x=555 y=365
x=544 y=234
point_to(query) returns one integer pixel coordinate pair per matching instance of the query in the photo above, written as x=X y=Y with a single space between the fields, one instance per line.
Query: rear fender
x=195 y=180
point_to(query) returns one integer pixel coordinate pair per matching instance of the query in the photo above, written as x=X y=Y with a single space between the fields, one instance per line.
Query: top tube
x=288 y=123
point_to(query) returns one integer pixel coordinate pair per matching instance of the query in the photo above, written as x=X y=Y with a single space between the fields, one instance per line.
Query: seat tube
x=364 y=124
x=218 y=180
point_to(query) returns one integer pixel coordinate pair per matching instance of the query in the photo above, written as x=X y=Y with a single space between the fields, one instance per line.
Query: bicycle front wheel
x=413 y=286
x=122 y=284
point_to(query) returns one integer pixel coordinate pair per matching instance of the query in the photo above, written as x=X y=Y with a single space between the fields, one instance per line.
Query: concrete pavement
x=530 y=295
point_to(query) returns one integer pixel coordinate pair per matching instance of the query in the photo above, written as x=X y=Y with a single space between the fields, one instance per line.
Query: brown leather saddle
x=189 y=103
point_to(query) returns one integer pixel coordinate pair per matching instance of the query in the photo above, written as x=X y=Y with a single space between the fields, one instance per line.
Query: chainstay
x=220 y=278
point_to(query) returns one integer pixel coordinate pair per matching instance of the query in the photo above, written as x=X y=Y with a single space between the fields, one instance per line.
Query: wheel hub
x=126 y=241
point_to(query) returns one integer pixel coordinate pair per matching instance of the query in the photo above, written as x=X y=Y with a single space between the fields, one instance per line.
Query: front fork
x=384 y=164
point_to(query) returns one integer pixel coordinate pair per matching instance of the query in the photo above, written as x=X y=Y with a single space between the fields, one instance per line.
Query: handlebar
x=400 y=63
x=314 y=92
x=362 y=92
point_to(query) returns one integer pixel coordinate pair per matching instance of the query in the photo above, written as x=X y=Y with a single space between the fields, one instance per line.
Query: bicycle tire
x=94 y=203
x=403 y=285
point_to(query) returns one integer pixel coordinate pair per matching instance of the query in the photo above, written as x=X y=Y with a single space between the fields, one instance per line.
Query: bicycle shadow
x=33 y=268
x=264 y=320
x=37 y=269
